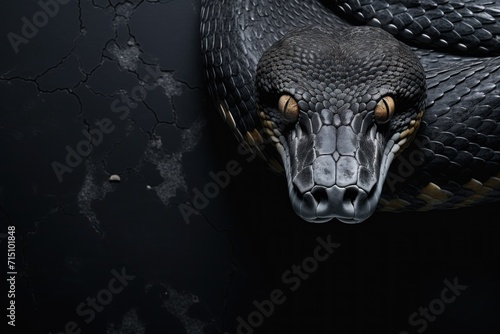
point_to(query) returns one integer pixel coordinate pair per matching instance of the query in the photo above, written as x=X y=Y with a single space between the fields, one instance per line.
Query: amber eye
x=384 y=110
x=288 y=107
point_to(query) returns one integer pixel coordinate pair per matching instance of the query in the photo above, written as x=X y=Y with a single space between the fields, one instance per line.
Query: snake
x=362 y=105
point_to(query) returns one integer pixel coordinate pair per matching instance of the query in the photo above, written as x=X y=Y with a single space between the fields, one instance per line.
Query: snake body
x=357 y=120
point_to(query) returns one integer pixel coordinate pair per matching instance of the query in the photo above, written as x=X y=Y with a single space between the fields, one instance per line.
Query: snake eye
x=288 y=107
x=384 y=110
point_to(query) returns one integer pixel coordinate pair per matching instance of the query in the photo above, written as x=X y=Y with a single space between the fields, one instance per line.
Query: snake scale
x=363 y=105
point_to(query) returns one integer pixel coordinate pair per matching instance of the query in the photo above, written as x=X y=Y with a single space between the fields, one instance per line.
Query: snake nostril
x=319 y=194
x=350 y=195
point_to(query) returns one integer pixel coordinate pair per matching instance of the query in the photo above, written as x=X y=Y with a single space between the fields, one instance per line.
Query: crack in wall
x=95 y=187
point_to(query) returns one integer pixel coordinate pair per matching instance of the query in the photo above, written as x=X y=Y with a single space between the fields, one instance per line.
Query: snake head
x=339 y=105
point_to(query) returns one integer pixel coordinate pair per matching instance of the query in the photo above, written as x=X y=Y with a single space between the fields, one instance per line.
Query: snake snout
x=349 y=204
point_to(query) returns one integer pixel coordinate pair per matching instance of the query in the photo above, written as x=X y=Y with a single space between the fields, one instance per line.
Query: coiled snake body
x=356 y=119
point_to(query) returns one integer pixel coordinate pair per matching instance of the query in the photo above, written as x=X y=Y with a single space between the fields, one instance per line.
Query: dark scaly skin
x=459 y=138
x=465 y=26
x=455 y=158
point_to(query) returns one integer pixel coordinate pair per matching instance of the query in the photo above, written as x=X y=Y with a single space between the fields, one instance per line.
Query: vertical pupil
x=285 y=107
x=386 y=106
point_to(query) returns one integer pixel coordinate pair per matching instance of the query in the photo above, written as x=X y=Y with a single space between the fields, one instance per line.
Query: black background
x=201 y=276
